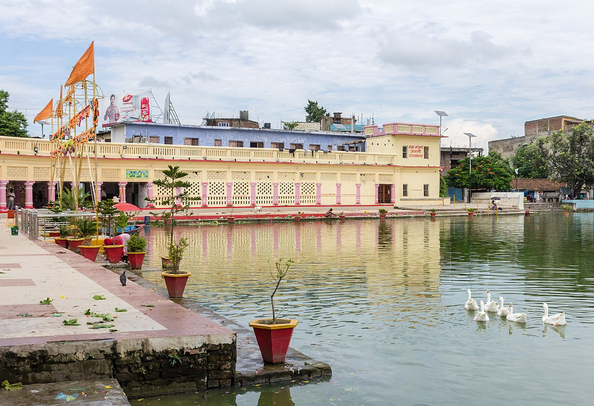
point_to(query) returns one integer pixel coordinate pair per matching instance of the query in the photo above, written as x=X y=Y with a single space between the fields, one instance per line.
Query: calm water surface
x=382 y=303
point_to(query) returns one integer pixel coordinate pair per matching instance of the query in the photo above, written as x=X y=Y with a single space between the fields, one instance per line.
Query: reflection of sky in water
x=382 y=302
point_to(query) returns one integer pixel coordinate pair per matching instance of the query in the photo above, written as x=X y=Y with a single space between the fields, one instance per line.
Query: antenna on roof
x=170 y=116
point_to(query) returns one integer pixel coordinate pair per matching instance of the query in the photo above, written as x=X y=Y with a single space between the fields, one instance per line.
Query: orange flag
x=84 y=67
x=59 y=107
x=46 y=112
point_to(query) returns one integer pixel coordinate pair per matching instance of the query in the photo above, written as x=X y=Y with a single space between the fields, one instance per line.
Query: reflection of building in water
x=383 y=256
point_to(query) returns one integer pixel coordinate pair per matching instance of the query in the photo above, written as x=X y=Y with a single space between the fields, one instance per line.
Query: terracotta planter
x=89 y=251
x=341 y=217
x=135 y=259
x=273 y=339
x=114 y=253
x=176 y=283
x=53 y=233
x=74 y=243
x=470 y=214
x=230 y=219
x=432 y=214
x=61 y=241
x=565 y=214
x=383 y=215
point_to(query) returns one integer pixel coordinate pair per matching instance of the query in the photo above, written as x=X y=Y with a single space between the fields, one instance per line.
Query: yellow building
x=401 y=166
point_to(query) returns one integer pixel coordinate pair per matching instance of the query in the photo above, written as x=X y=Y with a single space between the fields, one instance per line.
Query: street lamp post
x=470 y=137
x=440 y=114
x=42 y=123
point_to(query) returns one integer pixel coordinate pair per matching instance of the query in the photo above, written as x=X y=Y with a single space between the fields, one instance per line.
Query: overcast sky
x=490 y=65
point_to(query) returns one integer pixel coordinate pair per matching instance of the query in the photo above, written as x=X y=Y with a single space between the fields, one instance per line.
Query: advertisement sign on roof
x=128 y=106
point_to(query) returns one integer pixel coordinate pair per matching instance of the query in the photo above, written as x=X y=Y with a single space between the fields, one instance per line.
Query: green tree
x=488 y=172
x=529 y=162
x=314 y=112
x=12 y=124
x=290 y=125
x=569 y=156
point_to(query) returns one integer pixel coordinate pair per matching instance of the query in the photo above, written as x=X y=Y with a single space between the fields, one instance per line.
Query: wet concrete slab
x=74 y=393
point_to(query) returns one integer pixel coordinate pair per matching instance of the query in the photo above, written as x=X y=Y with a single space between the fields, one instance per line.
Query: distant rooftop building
x=242 y=122
x=533 y=129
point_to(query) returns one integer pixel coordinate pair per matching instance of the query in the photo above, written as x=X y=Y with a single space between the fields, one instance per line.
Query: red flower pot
x=74 y=243
x=273 y=339
x=53 y=233
x=176 y=283
x=114 y=253
x=383 y=215
x=432 y=214
x=230 y=219
x=89 y=251
x=135 y=259
x=341 y=217
x=297 y=218
x=61 y=241
x=470 y=214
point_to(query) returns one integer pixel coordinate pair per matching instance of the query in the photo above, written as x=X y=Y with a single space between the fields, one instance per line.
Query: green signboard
x=136 y=174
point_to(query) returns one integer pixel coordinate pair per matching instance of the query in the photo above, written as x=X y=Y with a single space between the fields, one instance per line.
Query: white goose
x=491 y=305
x=515 y=317
x=503 y=311
x=556 y=319
x=470 y=303
x=482 y=315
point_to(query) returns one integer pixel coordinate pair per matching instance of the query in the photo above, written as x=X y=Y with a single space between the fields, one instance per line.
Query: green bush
x=136 y=243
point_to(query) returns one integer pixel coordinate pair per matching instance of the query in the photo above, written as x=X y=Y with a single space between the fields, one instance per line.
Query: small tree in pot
x=86 y=229
x=136 y=250
x=177 y=199
x=274 y=335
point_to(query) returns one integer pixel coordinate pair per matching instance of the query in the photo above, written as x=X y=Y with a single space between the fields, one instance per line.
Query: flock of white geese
x=498 y=307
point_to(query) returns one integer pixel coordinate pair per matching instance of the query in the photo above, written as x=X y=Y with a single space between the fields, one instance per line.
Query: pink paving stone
x=16 y=282
x=10 y=265
x=35 y=310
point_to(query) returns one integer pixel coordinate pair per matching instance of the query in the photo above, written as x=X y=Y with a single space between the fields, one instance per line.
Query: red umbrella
x=126 y=207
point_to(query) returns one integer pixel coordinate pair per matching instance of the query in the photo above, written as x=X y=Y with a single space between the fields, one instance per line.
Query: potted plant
x=274 y=335
x=62 y=240
x=432 y=212
x=107 y=213
x=230 y=219
x=87 y=228
x=383 y=213
x=298 y=216
x=470 y=212
x=566 y=209
x=75 y=239
x=136 y=250
x=177 y=199
x=341 y=216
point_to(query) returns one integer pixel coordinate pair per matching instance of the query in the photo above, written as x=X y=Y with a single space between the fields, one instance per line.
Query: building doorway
x=384 y=194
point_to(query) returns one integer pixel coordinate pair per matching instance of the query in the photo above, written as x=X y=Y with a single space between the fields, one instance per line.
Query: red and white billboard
x=127 y=106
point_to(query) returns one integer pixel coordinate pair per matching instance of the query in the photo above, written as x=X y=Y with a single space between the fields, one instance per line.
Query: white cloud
x=490 y=66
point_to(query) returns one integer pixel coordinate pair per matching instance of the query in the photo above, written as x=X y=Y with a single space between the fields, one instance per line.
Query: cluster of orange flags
x=83 y=68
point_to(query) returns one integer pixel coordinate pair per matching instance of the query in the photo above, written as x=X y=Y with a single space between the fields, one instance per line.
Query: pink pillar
x=122 y=195
x=318 y=193
x=3 y=184
x=393 y=193
x=297 y=193
x=29 y=194
x=358 y=196
x=275 y=194
x=253 y=193
x=338 y=193
x=377 y=193
x=150 y=194
x=229 y=192
x=51 y=191
x=204 y=194
x=98 y=188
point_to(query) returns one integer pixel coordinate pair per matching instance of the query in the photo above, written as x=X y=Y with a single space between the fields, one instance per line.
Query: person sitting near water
x=329 y=213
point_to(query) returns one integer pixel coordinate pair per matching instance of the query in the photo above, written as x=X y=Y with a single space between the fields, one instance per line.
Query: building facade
x=402 y=166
